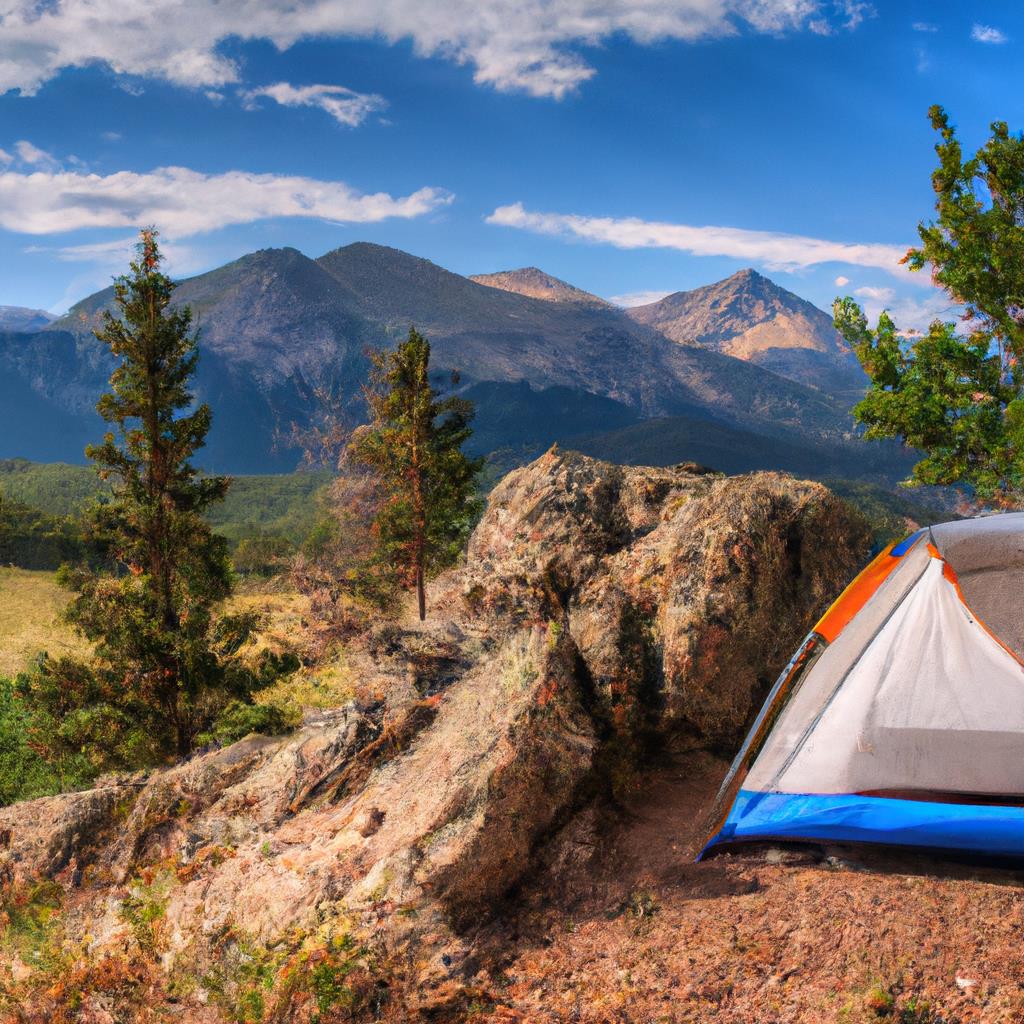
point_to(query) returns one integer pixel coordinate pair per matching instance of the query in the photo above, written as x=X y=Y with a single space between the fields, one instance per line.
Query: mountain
x=750 y=317
x=20 y=318
x=277 y=328
x=537 y=285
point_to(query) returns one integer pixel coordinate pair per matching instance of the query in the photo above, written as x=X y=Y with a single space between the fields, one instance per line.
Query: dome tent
x=900 y=719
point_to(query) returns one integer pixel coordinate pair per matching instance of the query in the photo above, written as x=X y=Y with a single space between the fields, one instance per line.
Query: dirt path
x=625 y=927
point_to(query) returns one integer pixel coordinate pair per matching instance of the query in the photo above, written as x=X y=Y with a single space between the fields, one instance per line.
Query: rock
x=597 y=605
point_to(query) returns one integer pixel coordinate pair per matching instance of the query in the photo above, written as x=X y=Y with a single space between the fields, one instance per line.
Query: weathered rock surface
x=598 y=607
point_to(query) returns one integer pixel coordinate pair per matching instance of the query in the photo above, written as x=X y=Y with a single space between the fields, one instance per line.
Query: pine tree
x=165 y=664
x=957 y=392
x=414 y=447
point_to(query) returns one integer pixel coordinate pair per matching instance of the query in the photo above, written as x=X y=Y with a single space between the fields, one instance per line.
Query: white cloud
x=842 y=282
x=111 y=136
x=34 y=156
x=987 y=34
x=184 y=202
x=527 y=45
x=913 y=314
x=876 y=294
x=5 y=157
x=344 y=105
x=924 y=26
x=638 y=298
x=774 y=250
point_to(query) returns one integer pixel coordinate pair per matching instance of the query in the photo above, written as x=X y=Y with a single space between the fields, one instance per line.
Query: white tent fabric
x=933 y=703
x=901 y=718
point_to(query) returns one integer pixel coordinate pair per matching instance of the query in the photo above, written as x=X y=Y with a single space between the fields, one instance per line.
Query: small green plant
x=32 y=923
x=145 y=906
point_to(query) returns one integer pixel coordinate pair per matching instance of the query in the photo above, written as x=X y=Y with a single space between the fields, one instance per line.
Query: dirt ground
x=627 y=928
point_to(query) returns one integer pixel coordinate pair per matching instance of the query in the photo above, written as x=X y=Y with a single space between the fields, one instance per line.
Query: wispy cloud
x=776 y=251
x=842 y=282
x=184 y=202
x=347 y=107
x=988 y=34
x=847 y=15
x=911 y=313
x=875 y=294
x=631 y=299
x=531 y=46
x=924 y=26
x=34 y=156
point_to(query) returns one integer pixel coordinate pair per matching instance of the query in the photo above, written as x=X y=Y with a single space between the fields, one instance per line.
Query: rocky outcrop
x=599 y=607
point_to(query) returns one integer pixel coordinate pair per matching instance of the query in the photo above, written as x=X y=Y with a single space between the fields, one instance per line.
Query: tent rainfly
x=900 y=719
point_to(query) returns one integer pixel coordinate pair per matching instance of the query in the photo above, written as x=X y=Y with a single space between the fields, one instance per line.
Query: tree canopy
x=413 y=447
x=956 y=391
x=166 y=664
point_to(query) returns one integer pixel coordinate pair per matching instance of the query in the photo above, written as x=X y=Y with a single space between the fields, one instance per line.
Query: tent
x=900 y=719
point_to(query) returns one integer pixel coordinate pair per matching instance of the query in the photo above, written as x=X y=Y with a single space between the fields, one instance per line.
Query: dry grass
x=31 y=604
x=327 y=684
x=30 y=608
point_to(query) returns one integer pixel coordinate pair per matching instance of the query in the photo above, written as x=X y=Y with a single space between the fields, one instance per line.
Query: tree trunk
x=421 y=595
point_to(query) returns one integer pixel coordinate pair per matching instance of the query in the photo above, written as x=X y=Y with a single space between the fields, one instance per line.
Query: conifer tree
x=166 y=665
x=957 y=392
x=413 y=445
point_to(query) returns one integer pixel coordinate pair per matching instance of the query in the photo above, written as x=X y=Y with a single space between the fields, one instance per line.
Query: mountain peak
x=749 y=316
x=537 y=284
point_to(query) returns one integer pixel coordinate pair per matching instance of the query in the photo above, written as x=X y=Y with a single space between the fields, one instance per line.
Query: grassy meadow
x=30 y=608
x=31 y=603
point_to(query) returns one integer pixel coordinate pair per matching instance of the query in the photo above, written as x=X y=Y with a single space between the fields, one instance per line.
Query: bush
x=239 y=720
x=31 y=539
x=262 y=555
x=24 y=775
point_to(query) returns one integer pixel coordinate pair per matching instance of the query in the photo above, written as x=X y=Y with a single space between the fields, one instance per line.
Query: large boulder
x=599 y=606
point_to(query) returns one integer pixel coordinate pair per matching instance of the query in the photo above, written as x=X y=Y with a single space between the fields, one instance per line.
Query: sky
x=631 y=147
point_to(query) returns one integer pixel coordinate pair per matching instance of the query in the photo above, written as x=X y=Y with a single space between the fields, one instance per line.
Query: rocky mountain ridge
x=278 y=328
x=537 y=284
x=21 y=318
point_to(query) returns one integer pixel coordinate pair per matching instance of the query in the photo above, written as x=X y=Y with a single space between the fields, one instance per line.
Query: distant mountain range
x=20 y=318
x=543 y=360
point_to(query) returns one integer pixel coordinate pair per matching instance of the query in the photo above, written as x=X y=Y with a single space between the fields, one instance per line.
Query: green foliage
x=240 y=719
x=58 y=487
x=31 y=539
x=30 y=923
x=166 y=665
x=413 y=447
x=280 y=505
x=958 y=396
x=25 y=775
x=948 y=395
x=262 y=555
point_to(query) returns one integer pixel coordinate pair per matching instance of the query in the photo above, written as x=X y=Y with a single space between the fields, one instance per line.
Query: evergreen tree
x=957 y=393
x=413 y=446
x=166 y=666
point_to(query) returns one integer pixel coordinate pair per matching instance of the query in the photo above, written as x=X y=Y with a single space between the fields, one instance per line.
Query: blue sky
x=628 y=146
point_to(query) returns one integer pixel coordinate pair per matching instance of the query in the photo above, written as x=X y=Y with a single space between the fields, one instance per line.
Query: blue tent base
x=985 y=830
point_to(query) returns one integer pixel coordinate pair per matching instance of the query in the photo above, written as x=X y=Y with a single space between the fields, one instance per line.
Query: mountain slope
x=752 y=318
x=278 y=328
x=537 y=284
x=20 y=318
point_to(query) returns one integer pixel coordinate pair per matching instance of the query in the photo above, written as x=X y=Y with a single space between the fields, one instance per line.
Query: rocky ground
x=502 y=824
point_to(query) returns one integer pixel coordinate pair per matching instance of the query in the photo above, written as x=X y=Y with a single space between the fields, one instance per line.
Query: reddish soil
x=627 y=928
